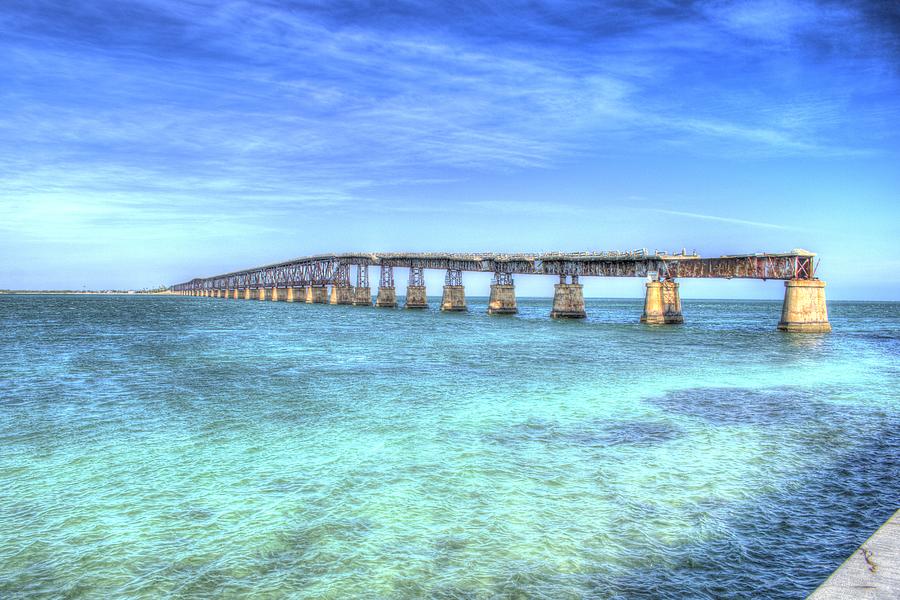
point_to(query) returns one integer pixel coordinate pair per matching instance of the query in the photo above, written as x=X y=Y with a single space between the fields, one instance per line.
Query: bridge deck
x=328 y=269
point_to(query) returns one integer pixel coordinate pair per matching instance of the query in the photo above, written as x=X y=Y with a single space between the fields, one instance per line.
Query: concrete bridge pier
x=289 y=293
x=568 y=299
x=247 y=293
x=804 y=309
x=415 y=290
x=341 y=294
x=261 y=293
x=454 y=298
x=662 y=304
x=317 y=294
x=387 y=293
x=236 y=293
x=503 y=295
x=362 y=293
x=362 y=296
x=387 y=297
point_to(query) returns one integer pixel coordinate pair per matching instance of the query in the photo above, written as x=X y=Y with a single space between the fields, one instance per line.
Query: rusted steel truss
x=334 y=269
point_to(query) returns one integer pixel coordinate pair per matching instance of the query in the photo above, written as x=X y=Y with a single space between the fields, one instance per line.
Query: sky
x=148 y=142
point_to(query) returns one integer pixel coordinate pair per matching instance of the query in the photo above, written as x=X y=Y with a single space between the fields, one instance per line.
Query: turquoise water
x=191 y=447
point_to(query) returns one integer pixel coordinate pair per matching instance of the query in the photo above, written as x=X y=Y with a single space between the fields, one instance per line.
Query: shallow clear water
x=191 y=447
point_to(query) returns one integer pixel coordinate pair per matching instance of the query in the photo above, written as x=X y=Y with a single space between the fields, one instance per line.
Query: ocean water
x=174 y=447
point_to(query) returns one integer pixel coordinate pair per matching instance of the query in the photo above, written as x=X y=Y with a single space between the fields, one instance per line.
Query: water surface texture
x=191 y=447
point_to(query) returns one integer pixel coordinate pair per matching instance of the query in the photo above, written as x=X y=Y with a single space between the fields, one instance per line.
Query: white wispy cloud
x=721 y=219
x=156 y=112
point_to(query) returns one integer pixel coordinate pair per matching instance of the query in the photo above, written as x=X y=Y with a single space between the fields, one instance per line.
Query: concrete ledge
x=870 y=573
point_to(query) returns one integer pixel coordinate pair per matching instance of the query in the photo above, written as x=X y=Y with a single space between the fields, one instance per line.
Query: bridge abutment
x=804 y=309
x=568 y=299
x=662 y=304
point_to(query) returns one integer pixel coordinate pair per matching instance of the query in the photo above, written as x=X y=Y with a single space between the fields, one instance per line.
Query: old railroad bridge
x=308 y=279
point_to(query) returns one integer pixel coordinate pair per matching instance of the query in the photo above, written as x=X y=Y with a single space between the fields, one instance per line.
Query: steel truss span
x=334 y=269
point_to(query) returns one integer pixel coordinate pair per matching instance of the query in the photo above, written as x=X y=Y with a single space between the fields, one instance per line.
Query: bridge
x=308 y=279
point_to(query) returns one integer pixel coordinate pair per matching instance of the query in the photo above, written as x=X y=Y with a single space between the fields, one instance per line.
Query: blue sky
x=151 y=141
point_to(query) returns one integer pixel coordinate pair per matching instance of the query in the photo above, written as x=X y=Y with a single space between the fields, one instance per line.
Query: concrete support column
x=454 y=299
x=247 y=293
x=804 y=309
x=416 y=296
x=341 y=294
x=568 y=299
x=289 y=294
x=387 y=294
x=503 y=295
x=662 y=304
x=261 y=293
x=387 y=297
x=236 y=293
x=362 y=296
x=502 y=300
